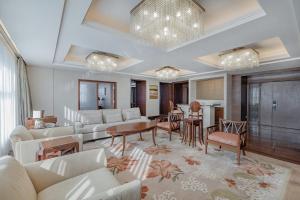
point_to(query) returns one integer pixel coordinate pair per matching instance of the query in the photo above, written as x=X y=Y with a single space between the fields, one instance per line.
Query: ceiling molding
x=59 y=30
x=280 y=61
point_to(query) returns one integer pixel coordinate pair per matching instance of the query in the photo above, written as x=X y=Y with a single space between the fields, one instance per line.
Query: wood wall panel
x=166 y=94
x=141 y=96
x=212 y=89
x=236 y=98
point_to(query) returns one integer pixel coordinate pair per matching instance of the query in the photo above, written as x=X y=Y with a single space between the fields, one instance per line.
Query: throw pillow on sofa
x=112 y=115
x=90 y=117
x=131 y=114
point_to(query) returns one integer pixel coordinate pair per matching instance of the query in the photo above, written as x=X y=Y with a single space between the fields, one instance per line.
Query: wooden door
x=177 y=93
x=185 y=93
x=166 y=95
x=275 y=130
x=266 y=100
x=286 y=104
x=141 y=96
x=219 y=114
x=181 y=92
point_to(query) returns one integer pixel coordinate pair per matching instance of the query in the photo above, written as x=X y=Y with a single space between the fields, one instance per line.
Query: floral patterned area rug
x=172 y=170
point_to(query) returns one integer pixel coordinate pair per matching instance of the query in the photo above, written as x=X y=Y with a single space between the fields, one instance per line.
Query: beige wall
x=56 y=91
x=211 y=89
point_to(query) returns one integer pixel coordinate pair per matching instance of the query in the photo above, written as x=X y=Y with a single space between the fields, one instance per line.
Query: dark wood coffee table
x=132 y=128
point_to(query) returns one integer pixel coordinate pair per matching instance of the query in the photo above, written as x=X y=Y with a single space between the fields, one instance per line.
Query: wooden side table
x=57 y=147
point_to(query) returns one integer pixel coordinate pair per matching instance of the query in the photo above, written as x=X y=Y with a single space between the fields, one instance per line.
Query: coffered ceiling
x=61 y=33
x=268 y=50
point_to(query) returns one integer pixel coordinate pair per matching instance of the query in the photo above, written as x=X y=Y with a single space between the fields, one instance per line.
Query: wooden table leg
x=153 y=135
x=190 y=134
x=141 y=138
x=112 y=140
x=124 y=144
x=195 y=137
x=184 y=133
x=200 y=133
x=77 y=147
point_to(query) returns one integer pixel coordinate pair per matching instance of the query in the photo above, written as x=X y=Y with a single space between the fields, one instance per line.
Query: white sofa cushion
x=81 y=187
x=131 y=113
x=112 y=115
x=52 y=132
x=101 y=127
x=15 y=183
x=91 y=116
x=59 y=131
x=142 y=119
x=38 y=133
x=94 y=128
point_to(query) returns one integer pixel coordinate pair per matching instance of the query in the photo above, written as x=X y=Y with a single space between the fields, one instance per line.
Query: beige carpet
x=173 y=171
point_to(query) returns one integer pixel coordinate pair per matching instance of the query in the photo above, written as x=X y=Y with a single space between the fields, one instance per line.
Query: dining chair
x=172 y=124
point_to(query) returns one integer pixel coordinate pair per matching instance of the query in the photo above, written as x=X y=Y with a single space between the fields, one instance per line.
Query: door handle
x=274 y=105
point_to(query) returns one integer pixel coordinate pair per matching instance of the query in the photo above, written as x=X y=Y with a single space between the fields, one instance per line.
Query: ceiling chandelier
x=241 y=58
x=100 y=61
x=167 y=23
x=167 y=73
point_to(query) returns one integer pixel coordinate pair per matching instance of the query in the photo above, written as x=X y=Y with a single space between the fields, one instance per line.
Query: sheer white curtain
x=8 y=109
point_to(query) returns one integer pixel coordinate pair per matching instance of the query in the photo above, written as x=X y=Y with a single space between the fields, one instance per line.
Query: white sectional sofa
x=26 y=142
x=92 y=124
x=81 y=175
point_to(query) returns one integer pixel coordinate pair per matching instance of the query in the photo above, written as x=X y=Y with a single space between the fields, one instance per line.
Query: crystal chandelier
x=100 y=61
x=241 y=58
x=167 y=73
x=167 y=23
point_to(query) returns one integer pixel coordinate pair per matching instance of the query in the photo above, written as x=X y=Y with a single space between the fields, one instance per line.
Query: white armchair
x=81 y=175
x=25 y=143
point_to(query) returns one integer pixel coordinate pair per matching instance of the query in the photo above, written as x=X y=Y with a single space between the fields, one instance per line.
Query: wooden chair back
x=195 y=110
x=229 y=126
x=174 y=120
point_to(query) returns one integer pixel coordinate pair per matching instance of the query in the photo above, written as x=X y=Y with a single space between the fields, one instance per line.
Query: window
x=8 y=108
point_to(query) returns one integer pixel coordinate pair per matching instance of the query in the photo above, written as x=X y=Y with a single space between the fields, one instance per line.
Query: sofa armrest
x=128 y=191
x=49 y=172
x=25 y=151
